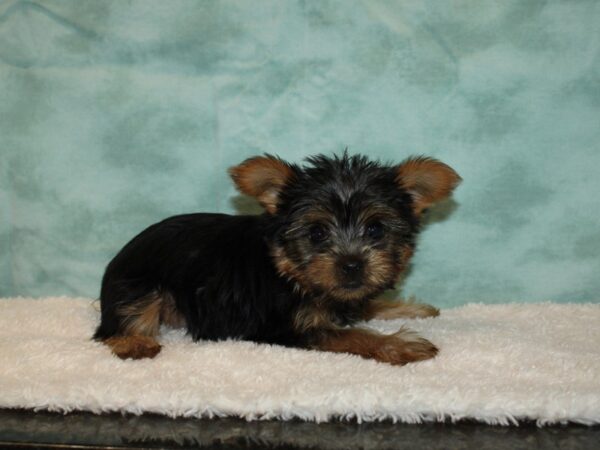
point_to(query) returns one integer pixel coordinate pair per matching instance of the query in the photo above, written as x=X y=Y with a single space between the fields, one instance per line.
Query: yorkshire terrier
x=336 y=233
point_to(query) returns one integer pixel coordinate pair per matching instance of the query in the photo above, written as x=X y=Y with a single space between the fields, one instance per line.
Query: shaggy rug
x=498 y=364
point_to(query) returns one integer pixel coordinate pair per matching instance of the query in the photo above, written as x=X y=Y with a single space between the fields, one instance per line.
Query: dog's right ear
x=262 y=177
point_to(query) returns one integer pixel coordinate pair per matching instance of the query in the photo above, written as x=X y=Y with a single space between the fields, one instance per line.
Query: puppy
x=336 y=233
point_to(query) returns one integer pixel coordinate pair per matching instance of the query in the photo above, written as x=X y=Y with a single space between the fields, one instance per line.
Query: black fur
x=217 y=268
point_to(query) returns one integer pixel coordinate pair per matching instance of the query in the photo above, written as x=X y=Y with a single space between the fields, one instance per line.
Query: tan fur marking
x=134 y=347
x=407 y=253
x=287 y=269
x=399 y=348
x=169 y=314
x=142 y=317
x=321 y=271
x=388 y=310
x=427 y=180
x=379 y=268
x=285 y=266
x=262 y=177
x=312 y=316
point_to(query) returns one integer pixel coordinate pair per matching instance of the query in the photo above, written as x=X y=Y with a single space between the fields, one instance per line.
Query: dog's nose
x=352 y=267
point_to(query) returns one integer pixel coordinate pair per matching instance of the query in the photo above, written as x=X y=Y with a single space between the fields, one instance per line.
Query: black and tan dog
x=336 y=233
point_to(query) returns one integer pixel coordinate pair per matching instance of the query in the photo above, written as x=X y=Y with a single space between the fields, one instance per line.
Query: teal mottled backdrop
x=115 y=114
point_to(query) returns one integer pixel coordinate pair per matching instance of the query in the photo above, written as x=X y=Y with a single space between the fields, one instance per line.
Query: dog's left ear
x=262 y=177
x=427 y=180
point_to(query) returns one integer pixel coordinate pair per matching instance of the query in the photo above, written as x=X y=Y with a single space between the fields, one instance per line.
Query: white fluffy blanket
x=498 y=364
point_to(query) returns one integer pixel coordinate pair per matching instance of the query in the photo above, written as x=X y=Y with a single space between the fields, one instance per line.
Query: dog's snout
x=352 y=267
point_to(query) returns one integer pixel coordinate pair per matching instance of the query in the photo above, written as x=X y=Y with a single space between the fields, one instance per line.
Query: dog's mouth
x=361 y=288
x=352 y=285
x=354 y=291
x=348 y=290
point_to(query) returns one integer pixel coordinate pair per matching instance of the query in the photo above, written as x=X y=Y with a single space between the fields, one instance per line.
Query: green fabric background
x=115 y=114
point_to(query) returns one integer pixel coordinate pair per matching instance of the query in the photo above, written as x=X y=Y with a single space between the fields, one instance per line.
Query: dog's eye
x=317 y=233
x=374 y=230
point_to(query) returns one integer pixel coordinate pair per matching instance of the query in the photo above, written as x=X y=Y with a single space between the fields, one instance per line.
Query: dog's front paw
x=423 y=310
x=403 y=347
x=387 y=310
x=399 y=348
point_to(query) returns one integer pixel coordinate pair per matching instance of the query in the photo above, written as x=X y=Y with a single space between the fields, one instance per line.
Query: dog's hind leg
x=133 y=327
x=135 y=346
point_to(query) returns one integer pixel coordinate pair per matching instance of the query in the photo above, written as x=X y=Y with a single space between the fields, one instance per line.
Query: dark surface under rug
x=28 y=429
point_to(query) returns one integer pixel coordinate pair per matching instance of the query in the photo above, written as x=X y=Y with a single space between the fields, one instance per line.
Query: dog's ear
x=427 y=180
x=262 y=177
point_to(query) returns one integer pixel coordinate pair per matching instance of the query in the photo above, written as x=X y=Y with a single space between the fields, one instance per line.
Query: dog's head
x=344 y=227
